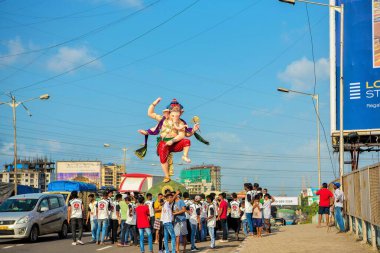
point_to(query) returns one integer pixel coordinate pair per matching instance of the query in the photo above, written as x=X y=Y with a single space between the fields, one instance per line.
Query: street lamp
x=124 y=149
x=14 y=104
x=339 y=9
x=316 y=98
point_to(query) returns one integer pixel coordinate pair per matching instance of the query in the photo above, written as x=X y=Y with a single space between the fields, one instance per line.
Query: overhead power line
x=84 y=35
x=112 y=50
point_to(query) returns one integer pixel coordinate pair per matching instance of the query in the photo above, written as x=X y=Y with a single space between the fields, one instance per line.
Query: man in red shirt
x=324 y=204
x=223 y=206
x=143 y=223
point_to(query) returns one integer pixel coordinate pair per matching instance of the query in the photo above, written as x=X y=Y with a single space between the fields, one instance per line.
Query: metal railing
x=362 y=203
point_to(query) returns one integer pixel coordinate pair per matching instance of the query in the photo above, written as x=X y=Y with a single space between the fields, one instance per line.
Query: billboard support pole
x=341 y=96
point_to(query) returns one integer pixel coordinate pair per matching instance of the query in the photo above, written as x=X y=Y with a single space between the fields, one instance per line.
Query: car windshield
x=18 y=205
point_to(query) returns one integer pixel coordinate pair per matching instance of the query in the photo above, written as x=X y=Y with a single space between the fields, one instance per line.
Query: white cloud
x=299 y=74
x=13 y=46
x=224 y=137
x=23 y=151
x=68 y=58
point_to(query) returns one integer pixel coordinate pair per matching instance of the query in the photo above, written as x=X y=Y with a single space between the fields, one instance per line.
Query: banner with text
x=361 y=65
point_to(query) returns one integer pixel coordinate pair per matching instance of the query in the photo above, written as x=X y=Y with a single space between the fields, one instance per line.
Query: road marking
x=7 y=247
x=105 y=248
x=19 y=245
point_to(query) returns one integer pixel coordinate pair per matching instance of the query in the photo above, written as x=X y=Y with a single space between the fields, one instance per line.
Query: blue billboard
x=361 y=66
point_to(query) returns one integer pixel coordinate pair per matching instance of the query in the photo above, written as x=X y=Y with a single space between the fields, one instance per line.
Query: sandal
x=166 y=180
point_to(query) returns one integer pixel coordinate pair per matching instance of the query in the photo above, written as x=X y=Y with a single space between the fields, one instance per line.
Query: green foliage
x=309 y=211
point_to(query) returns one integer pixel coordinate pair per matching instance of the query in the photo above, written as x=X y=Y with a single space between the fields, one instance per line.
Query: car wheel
x=33 y=236
x=64 y=230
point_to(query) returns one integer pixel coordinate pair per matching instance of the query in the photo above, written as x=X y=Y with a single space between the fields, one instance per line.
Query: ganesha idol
x=172 y=132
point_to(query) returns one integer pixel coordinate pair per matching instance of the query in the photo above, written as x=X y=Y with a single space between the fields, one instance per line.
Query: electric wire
x=112 y=50
x=84 y=35
x=314 y=89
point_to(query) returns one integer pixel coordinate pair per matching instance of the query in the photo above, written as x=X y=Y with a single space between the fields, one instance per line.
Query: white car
x=30 y=215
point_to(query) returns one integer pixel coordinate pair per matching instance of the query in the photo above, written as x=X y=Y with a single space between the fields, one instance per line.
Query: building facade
x=111 y=174
x=200 y=179
x=37 y=173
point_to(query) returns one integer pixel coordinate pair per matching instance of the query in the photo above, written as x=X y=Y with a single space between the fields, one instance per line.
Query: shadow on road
x=41 y=239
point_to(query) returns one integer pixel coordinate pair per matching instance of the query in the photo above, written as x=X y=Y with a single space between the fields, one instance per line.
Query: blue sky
x=223 y=60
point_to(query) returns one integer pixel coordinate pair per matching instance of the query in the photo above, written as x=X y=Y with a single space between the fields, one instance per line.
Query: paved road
x=50 y=243
x=304 y=239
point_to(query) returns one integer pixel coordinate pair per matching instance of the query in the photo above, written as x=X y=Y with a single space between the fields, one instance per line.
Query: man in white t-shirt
x=211 y=220
x=338 y=207
x=115 y=217
x=149 y=202
x=204 y=208
x=167 y=220
x=91 y=215
x=188 y=202
x=248 y=206
x=131 y=221
x=75 y=217
x=103 y=208
x=195 y=220
x=235 y=215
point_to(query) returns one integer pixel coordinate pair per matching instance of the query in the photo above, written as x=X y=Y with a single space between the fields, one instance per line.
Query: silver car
x=31 y=215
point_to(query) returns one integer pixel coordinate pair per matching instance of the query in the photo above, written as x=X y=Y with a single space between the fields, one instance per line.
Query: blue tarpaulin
x=69 y=186
x=24 y=189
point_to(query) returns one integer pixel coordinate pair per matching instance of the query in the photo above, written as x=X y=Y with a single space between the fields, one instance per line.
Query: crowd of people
x=126 y=219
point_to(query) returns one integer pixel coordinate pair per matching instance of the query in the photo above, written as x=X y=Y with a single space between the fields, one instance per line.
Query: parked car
x=29 y=216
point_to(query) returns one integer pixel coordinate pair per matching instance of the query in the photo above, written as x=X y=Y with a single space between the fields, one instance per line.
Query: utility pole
x=125 y=159
x=14 y=105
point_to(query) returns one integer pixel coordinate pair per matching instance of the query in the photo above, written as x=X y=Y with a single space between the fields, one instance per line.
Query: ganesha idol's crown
x=175 y=106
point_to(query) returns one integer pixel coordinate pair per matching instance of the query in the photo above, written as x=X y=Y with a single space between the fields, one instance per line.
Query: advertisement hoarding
x=361 y=66
x=88 y=172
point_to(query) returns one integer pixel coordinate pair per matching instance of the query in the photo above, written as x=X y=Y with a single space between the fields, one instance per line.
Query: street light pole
x=124 y=149
x=14 y=104
x=316 y=98
x=339 y=9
